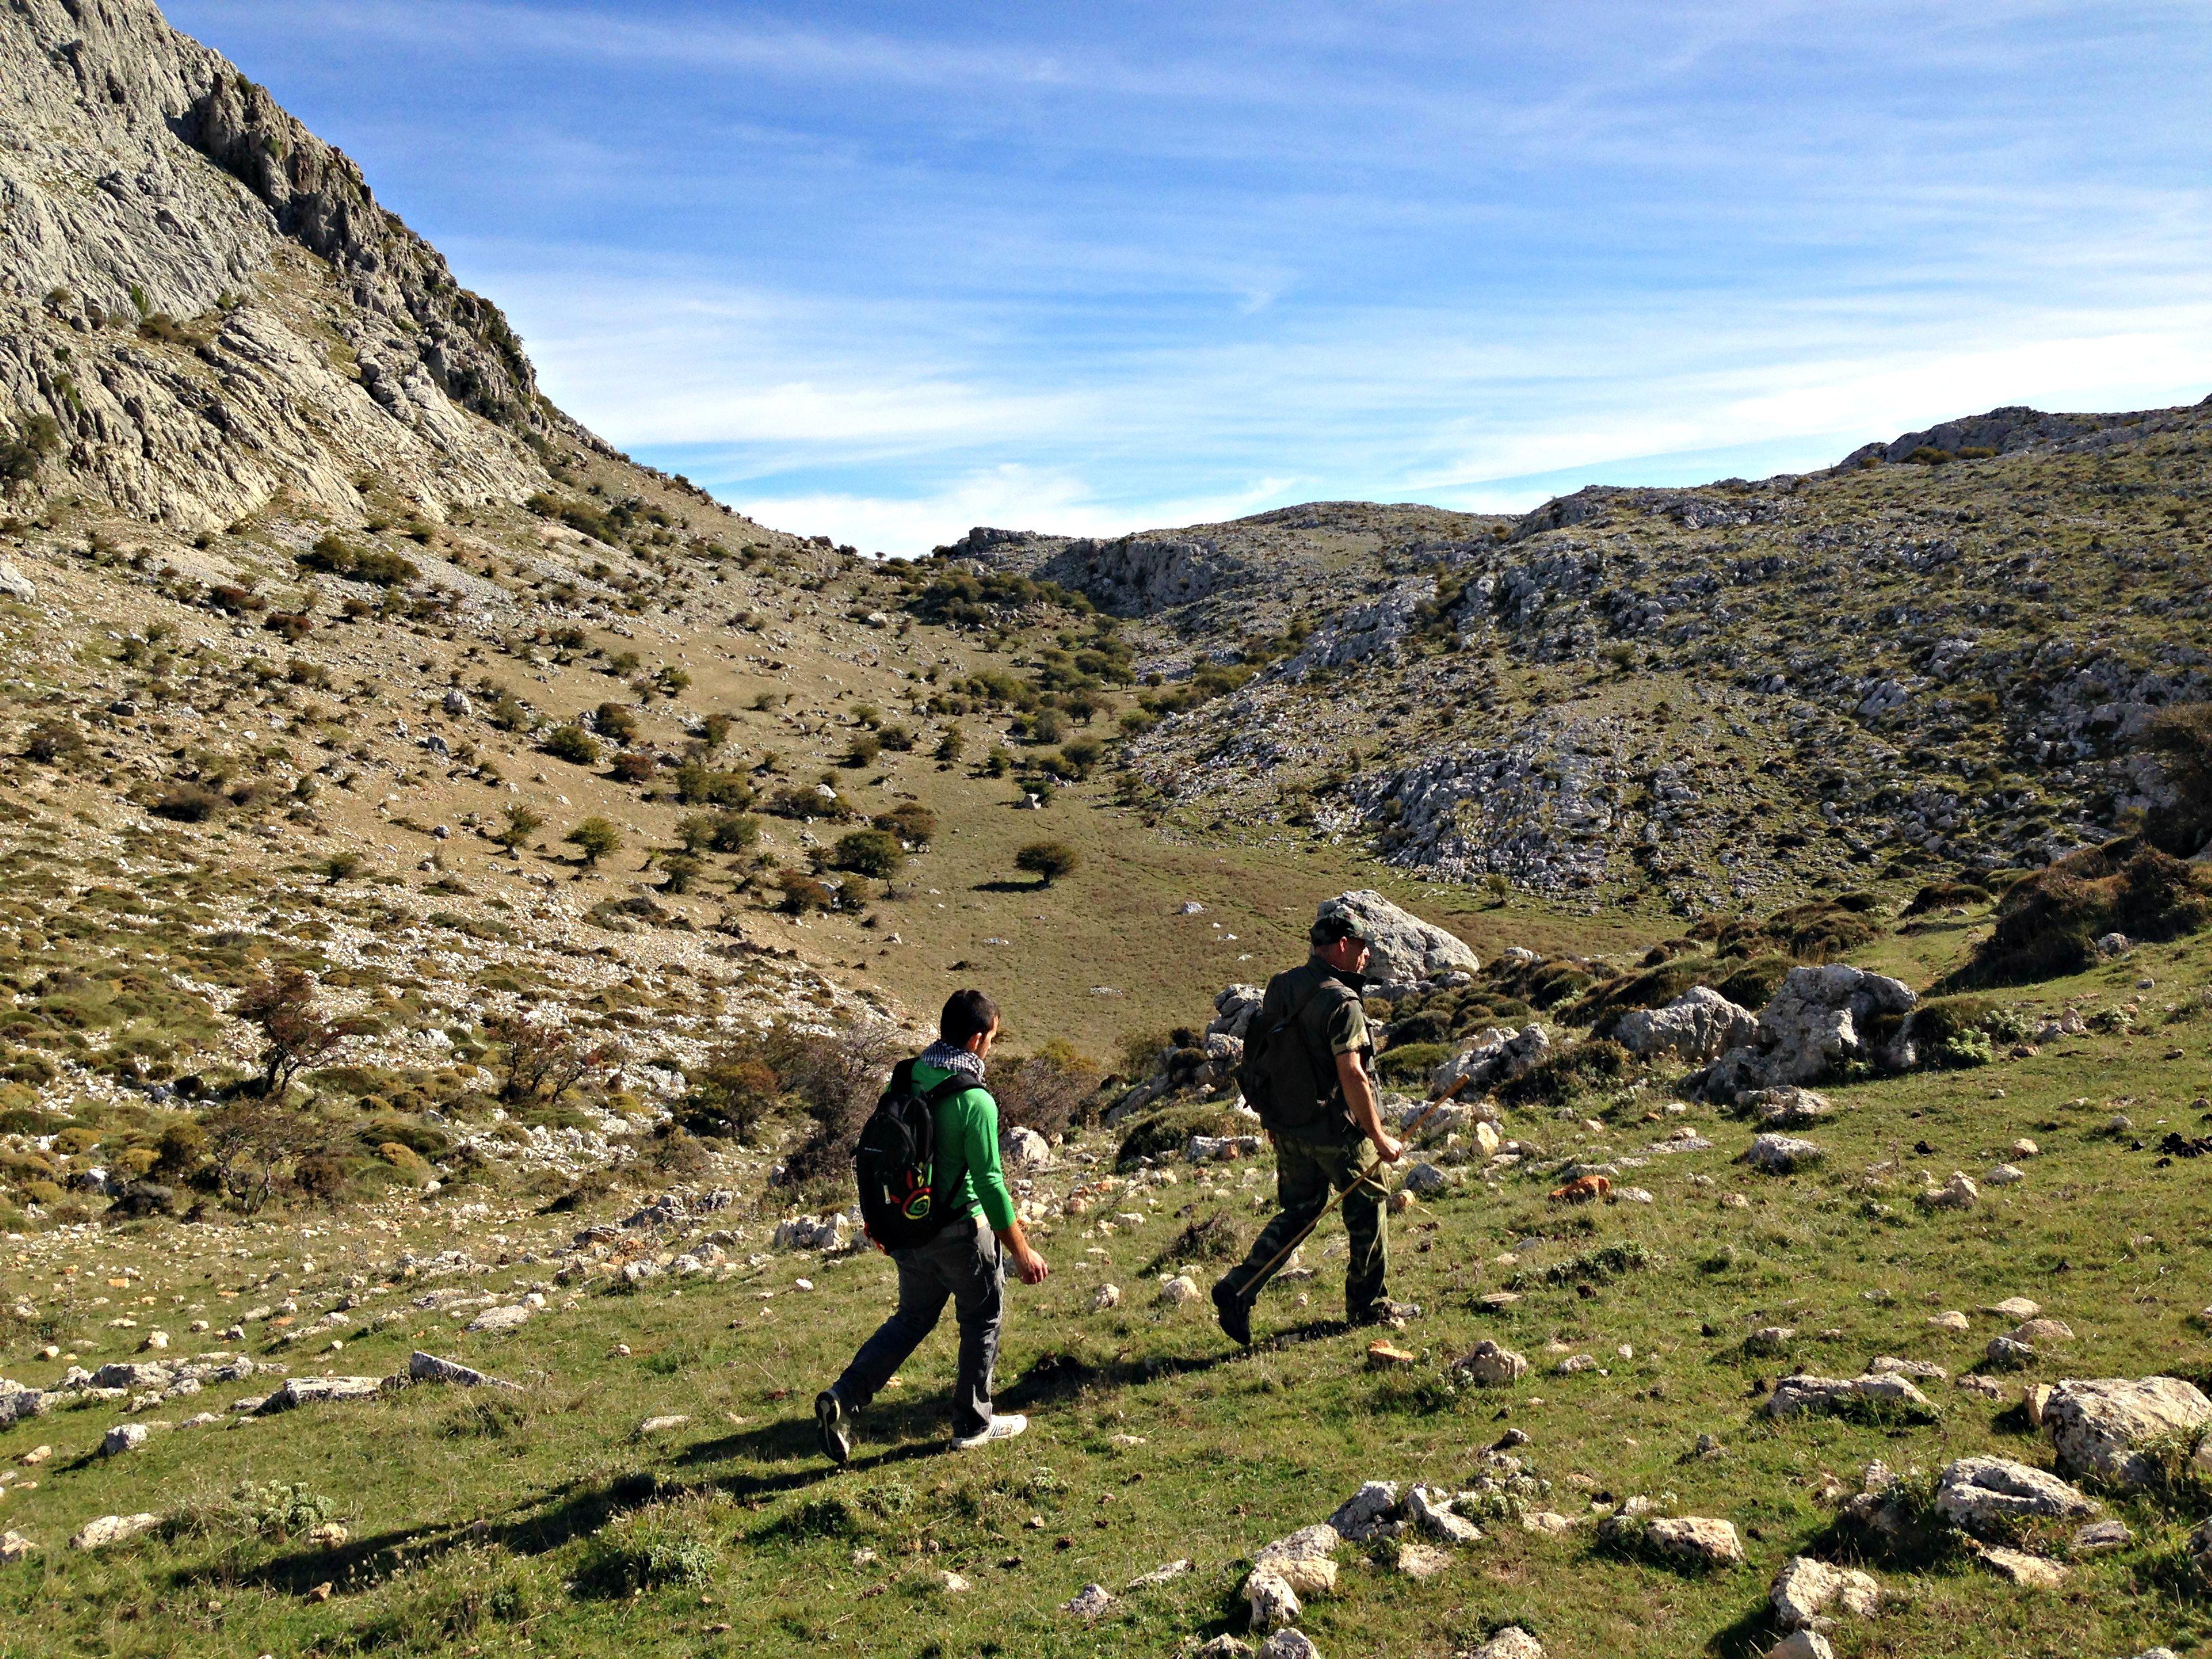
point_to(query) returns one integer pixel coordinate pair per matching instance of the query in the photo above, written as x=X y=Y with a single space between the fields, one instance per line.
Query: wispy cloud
x=891 y=271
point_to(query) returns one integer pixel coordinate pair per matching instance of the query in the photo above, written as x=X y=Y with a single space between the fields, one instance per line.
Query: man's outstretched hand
x=1031 y=1267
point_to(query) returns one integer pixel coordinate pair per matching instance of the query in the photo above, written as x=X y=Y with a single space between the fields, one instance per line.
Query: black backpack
x=896 y=1162
x=1284 y=1080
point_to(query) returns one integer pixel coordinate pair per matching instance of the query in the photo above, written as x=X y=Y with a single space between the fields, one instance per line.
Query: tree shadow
x=1009 y=887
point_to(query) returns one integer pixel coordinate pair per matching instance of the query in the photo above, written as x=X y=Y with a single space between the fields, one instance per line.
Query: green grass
x=478 y=1524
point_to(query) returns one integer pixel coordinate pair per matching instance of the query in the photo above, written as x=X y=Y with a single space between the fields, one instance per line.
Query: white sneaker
x=1004 y=1426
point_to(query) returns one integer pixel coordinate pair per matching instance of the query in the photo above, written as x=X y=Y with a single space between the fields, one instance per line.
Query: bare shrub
x=837 y=1076
x=1051 y=1091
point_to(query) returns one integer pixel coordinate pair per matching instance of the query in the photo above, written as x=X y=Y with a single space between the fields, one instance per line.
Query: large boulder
x=1820 y=1019
x=2110 y=1428
x=1699 y=1026
x=1404 y=949
x=1233 y=1010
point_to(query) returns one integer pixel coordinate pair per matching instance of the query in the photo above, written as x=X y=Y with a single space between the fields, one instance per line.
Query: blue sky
x=888 y=271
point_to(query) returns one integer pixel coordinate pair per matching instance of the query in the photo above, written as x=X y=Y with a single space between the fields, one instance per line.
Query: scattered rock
x=2099 y=1536
x=1951 y=1321
x=1089 y=1602
x=1806 y=1592
x=1359 y=1517
x=1794 y=1394
x=951 y=1583
x=2007 y=1354
x=1697 y=1542
x=2014 y=1307
x=14 y=1547
x=1162 y=1574
x=1176 y=1289
x=498 y=1320
x=1699 y=1026
x=1107 y=1296
x=1272 y=1604
x=1985 y=1495
x=1781 y=1154
x=112 y=1530
x=1800 y=1645
x=1305 y=1560
x=307 y=1390
x=1422 y=1560
x=1402 y=948
x=1492 y=1366
x=1225 y=1647
x=122 y=1437
x=2019 y=1567
x=1388 y=1356
x=1289 y=1644
x=1958 y=1193
x=1435 y=1517
x=428 y=1368
x=2099 y=1429
x=663 y=1425
x=1512 y=1643
x=1025 y=1149
x=1493 y=1056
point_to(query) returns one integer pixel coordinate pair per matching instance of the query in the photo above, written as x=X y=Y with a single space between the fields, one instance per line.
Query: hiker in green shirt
x=962 y=1262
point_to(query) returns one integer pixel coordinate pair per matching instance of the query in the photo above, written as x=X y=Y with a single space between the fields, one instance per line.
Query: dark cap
x=1334 y=925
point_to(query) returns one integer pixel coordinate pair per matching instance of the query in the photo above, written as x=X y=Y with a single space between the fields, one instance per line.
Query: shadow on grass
x=1749 y=1636
x=1008 y=887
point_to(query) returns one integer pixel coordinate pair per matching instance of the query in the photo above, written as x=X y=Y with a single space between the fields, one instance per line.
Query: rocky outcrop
x=1820 y=1020
x=1699 y=1026
x=1985 y=1496
x=207 y=303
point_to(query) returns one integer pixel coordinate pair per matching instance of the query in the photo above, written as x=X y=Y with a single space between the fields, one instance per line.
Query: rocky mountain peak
x=202 y=304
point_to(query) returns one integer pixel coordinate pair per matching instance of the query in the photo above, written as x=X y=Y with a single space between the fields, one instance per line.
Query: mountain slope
x=1926 y=656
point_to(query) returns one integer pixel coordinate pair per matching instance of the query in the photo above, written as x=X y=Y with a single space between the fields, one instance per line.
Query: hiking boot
x=1235 y=1313
x=829 y=1424
x=1004 y=1425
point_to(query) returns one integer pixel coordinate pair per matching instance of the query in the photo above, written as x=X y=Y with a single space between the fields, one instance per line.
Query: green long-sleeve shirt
x=967 y=1141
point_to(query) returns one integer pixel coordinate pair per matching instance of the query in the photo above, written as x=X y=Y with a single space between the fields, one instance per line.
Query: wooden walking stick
x=1368 y=1174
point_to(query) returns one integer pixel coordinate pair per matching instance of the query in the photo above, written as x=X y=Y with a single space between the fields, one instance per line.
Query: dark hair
x=967 y=1014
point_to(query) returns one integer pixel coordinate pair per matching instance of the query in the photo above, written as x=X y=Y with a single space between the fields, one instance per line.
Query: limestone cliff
x=202 y=307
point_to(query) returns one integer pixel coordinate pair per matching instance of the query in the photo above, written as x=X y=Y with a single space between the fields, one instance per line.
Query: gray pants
x=961 y=1263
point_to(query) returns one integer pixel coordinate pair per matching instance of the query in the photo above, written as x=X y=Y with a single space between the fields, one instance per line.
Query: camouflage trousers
x=1307 y=1173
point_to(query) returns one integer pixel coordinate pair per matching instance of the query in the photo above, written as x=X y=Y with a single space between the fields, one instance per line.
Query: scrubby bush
x=650 y=1549
x=572 y=744
x=632 y=766
x=20 y=456
x=911 y=822
x=1049 y=1092
x=733 y=1091
x=1410 y=1063
x=874 y=852
x=187 y=803
x=1566 y=1073
x=2181 y=738
x=836 y=1076
x=334 y=555
x=1942 y=894
x=802 y=892
x=2048 y=924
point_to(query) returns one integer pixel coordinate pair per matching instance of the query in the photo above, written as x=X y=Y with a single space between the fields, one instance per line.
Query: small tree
x=294 y=1031
x=682 y=869
x=694 y=832
x=874 y=852
x=1047 y=860
x=522 y=823
x=542 y=1060
x=594 y=838
x=949 y=744
x=614 y=721
x=734 y=832
x=731 y=1093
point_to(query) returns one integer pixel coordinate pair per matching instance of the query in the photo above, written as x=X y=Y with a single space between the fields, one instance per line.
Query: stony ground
x=653 y=1483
